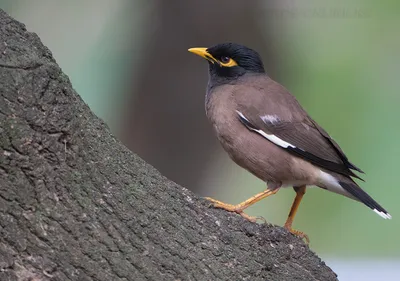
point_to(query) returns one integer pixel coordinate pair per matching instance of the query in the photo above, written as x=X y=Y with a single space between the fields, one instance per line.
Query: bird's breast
x=220 y=110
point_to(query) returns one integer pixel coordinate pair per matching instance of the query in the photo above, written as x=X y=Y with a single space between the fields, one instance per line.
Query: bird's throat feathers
x=223 y=75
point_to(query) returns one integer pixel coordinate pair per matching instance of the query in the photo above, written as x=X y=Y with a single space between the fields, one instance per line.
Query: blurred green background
x=341 y=59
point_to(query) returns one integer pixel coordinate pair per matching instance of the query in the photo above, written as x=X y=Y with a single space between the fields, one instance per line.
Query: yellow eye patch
x=228 y=63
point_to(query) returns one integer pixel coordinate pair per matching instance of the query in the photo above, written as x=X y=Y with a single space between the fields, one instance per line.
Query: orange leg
x=300 y=191
x=245 y=204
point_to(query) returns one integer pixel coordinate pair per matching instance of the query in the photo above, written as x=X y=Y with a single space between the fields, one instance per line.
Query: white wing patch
x=272 y=138
x=275 y=139
x=272 y=119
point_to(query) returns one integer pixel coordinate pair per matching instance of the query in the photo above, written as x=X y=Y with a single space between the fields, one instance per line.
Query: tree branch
x=76 y=204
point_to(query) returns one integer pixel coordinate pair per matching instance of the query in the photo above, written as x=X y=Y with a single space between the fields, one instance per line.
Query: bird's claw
x=251 y=218
x=234 y=209
x=300 y=234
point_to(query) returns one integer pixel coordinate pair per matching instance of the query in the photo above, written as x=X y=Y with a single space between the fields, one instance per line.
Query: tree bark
x=76 y=204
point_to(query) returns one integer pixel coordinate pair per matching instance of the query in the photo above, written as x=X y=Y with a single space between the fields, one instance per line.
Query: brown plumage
x=265 y=130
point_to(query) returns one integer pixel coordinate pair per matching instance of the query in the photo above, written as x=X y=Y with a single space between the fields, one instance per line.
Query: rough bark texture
x=75 y=204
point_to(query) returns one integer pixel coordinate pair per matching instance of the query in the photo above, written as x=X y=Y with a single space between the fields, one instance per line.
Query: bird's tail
x=346 y=186
x=351 y=187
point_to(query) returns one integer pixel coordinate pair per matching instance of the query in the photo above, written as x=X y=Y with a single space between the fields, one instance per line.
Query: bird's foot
x=300 y=234
x=233 y=208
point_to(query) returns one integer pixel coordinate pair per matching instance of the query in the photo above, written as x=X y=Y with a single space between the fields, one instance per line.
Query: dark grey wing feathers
x=302 y=140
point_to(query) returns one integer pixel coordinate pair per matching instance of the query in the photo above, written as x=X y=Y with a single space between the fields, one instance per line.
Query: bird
x=266 y=131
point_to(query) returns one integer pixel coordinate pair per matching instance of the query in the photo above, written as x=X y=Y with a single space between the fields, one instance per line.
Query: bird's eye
x=225 y=59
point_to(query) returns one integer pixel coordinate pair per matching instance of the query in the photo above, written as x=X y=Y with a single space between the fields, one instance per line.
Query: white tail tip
x=383 y=215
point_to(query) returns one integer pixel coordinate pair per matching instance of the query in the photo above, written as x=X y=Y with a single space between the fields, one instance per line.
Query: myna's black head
x=229 y=60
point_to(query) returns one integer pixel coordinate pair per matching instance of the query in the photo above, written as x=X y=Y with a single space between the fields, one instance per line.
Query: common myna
x=265 y=130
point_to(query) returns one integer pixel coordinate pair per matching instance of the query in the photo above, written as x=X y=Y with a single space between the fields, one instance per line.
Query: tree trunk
x=76 y=204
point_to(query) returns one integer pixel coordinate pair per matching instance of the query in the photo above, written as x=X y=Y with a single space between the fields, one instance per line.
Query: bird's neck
x=208 y=94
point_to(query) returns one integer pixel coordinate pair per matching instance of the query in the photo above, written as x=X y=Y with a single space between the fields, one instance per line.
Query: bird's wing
x=303 y=138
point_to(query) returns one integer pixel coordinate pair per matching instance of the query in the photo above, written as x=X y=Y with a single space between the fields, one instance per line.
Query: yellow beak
x=202 y=52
